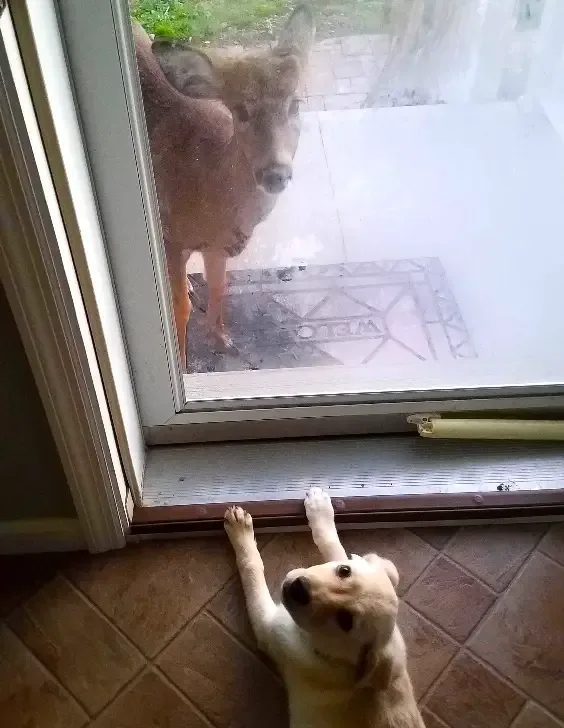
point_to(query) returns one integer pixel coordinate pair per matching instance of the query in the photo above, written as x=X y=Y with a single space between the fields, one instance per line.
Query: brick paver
x=342 y=70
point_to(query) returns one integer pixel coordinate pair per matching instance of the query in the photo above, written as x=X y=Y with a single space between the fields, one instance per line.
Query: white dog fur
x=334 y=637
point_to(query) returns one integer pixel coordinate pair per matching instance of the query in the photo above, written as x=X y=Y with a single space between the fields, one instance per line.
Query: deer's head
x=259 y=90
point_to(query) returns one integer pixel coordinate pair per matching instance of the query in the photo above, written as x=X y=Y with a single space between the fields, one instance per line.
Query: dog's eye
x=242 y=113
x=344 y=620
x=343 y=571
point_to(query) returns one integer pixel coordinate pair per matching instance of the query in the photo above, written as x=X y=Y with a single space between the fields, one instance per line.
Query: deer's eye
x=242 y=114
x=343 y=571
x=294 y=107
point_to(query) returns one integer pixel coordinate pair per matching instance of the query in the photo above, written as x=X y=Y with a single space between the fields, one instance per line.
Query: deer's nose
x=296 y=592
x=274 y=178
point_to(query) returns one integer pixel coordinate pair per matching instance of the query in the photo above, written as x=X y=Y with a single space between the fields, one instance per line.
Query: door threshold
x=374 y=481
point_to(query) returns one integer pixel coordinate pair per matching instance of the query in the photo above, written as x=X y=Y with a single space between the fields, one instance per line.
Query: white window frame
x=104 y=79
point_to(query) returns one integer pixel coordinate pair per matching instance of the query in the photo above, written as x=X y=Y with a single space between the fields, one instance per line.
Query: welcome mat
x=385 y=313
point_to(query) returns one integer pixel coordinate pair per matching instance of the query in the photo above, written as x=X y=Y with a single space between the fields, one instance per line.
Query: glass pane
x=359 y=196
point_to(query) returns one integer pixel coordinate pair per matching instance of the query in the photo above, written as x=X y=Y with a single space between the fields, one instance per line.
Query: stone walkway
x=342 y=70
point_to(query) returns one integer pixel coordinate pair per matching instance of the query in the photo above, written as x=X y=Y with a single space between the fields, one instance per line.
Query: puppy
x=334 y=637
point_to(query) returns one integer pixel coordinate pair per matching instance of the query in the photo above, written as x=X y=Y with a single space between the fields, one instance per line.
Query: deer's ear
x=190 y=71
x=297 y=36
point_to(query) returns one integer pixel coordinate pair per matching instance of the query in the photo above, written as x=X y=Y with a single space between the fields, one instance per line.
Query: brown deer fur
x=223 y=135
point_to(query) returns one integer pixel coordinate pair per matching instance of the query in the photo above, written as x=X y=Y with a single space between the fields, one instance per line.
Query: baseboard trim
x=37 y=535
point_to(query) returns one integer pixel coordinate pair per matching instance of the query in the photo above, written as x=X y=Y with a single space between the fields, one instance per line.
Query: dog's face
x=344 y=604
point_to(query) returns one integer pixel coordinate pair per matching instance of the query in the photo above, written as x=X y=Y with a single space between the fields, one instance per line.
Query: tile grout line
x=424 y=697
x=460 y=646
x=550 y=558
x=519 y=715
x=422 y=702
x=452 y=558
x=107 y=620
x=249 y=650
x=192 y=618
x=146 y=661
x=559 y=721
x=500 y=676
x=464 y=647
x=164 y=677
x=467 y=571
x=425 y=569
x=467 y=648
x=488 y=612
x=441 y=630
x=437 y=626
x=536 y=545
x=96 y=610
x=45 y=669
x=450 y=539
x=440 y=720
x=229 y=633
x=126 y=686
x=509 y=682
x=100 y=611
x=102 y=615
x=120 y=692
x=19 y=603
x=147 y=658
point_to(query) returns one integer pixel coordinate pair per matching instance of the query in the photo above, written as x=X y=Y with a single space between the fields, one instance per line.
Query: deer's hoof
x=223 y=341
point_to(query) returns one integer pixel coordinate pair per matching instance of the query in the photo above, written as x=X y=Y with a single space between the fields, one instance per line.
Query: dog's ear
x=387 y=565
x=190 y=71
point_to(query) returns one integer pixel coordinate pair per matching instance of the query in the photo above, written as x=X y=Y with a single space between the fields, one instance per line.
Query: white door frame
x=46 y=291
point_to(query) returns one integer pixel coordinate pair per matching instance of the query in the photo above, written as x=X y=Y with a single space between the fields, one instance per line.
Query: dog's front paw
x=239 y=526
x=319 y=508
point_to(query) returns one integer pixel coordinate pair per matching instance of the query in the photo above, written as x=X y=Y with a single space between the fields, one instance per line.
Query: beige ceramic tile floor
x=156 y=636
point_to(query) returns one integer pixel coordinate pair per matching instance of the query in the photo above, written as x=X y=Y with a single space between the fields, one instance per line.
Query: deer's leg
x=215 y=264
x=181 y=302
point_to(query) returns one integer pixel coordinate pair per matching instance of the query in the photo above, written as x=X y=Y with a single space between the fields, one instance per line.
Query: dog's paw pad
x=318 y=503
x=236 y=519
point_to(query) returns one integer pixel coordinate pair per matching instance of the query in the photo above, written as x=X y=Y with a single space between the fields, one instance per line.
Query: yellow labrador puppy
x=334 y=637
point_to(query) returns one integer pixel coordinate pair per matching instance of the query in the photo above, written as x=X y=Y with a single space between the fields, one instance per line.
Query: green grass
x=245 y=20
x=224 y=22
x=172 y=19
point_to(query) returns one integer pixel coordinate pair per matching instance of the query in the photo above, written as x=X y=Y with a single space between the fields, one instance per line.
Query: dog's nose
x=274 y=178
x=296 y=591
